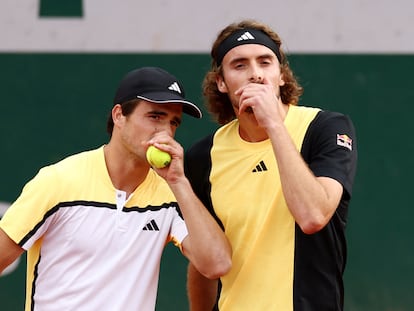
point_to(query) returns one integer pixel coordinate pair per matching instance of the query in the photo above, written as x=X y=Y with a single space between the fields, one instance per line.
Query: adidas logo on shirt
x=246 y=36
x=261 y=167
x=175 y=87
x=151 y=226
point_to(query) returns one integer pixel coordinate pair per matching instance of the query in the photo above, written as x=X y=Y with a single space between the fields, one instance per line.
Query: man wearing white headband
x=276 y=176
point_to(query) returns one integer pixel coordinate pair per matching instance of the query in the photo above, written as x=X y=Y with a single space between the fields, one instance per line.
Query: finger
x=239 y=91
x=242 y=89
x=245 y=105
x=160 y=137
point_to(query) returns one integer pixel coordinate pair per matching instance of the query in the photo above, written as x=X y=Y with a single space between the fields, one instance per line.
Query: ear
x=281 y=80
x=117 y=115
x=221 y=85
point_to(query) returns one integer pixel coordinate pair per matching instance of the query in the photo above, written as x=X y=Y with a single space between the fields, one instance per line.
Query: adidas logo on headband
x=246 y=36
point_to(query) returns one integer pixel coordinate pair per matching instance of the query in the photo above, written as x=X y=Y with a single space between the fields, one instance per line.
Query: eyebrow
x=241 y=59
x=157 y=112
x=163 y=113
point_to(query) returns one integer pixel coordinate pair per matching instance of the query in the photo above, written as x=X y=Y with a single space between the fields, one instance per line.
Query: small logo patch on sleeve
x=344 y=141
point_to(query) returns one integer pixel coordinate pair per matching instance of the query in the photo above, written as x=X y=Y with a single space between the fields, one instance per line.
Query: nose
x=165 y=127
x=256 y=75
x=170 y=130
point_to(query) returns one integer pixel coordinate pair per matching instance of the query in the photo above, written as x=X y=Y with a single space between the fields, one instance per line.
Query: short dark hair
x=127 y=108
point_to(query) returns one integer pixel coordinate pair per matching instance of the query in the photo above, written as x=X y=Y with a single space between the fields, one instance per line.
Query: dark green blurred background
x=54 y=105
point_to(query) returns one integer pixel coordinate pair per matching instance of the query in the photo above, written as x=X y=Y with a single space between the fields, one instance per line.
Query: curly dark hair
x=218 y=104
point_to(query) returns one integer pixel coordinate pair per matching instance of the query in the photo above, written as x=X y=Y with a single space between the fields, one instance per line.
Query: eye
x=266 y=62
x=155 y=116
x=175 y=123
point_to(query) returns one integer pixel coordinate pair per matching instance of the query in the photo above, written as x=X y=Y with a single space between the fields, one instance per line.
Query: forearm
x=9 y=250
x=311 y=200
x=206 y=245
x=202 y=292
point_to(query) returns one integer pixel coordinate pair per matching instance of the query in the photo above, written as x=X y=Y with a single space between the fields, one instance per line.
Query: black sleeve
x=197 y=166
x=330 y=148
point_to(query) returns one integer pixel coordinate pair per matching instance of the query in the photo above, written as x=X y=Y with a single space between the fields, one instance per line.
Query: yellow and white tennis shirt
x=89 y=246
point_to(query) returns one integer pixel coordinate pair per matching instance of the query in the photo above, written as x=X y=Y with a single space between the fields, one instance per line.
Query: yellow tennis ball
x=158 y=158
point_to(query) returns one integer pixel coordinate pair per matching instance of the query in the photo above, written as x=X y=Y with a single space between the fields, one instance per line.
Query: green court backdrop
x=53 y=105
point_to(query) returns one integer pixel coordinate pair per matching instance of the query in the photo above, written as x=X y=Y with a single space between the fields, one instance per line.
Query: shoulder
x=197 y=162
x=72 y=165
x=328 y=123
x=331 y=119
x=80 y=160
x=330 y=147
x=201 y=147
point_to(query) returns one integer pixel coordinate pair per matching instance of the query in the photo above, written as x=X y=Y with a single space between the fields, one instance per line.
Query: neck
x=251 y=131
x=126 y=171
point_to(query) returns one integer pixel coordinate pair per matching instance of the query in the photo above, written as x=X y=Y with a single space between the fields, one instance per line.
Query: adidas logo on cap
x=175 y=87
